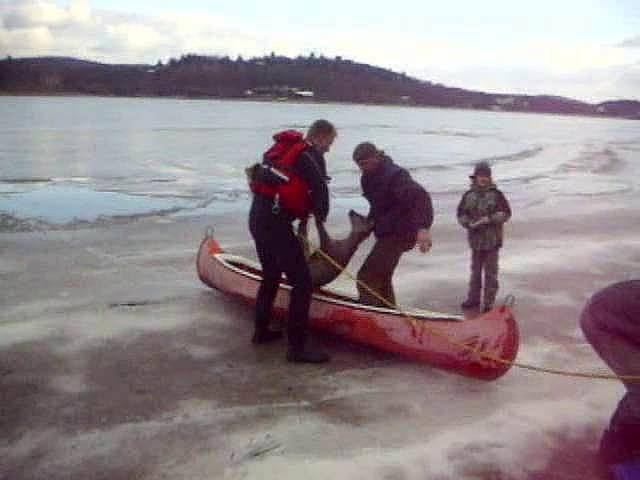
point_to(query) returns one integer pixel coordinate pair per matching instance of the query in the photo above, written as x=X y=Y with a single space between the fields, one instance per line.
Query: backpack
x=276 y=178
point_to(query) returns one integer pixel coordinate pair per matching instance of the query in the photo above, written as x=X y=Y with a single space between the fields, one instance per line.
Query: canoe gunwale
x=331 y=296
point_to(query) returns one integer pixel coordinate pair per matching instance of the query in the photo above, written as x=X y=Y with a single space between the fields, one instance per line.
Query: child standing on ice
x=482 y=211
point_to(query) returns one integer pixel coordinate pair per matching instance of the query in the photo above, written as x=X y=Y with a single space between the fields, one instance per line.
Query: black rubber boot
x=470 y=304
x=266 y=336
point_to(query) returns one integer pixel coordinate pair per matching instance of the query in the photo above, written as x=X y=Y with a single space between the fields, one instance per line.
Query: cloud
x=42 y=13
x=581 y=70
x=590 y=84
x=633 y=42
x=25 y=40
x=132 y=37
x=41 y=27
x=627 y=83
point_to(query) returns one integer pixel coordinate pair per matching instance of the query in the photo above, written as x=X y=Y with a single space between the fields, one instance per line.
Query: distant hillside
x=273 y=77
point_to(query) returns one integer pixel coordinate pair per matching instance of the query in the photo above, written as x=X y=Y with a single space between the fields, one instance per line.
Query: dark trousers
x=611 y=323
x=487 y=261
x=279 y=250
x=377 y=270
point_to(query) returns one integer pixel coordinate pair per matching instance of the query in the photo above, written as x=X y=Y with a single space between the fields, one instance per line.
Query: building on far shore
x=278 y=91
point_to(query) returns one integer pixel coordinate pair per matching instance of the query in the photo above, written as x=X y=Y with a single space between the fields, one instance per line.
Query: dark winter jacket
x=311 y=166
x=484 y=202
x=399 y=205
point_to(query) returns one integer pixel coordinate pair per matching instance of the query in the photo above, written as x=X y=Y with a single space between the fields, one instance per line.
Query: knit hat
x=482 y=169
x=364 y=150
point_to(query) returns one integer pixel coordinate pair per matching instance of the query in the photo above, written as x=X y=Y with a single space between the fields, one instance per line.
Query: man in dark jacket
x=611 y=322
x=402 y=214
x=279 y=250
x=483 y=210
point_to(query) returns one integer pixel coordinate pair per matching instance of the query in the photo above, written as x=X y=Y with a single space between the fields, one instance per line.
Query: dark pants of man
x=377 y=270
x=279 y=250
x=487 y=261
x=611 y=324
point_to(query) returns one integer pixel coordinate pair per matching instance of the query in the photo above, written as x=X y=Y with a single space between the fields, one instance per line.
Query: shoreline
x=312 y=102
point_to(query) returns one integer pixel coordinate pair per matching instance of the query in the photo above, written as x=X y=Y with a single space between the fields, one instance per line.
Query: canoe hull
x=481 y=347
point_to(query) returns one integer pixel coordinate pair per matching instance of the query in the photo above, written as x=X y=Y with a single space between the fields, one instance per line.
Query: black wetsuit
x=279 y=250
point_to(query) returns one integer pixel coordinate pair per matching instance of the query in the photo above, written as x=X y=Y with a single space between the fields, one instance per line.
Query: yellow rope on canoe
x=420 y=326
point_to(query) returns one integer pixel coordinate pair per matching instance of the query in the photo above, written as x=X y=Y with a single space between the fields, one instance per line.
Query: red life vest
x=292 y=195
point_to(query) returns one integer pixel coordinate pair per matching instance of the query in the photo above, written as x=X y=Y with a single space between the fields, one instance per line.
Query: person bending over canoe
x=611 y=322
x=402 y=214
x=290 y=184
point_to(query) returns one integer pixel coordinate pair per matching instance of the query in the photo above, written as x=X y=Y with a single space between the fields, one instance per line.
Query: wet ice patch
x=10 y=265
x=60 y=204
x=547 y=255
x=200 y=353
x=257 y=447
x=578 y=184
x=550 y=298
x=515 y=442
x=116 y=323
x=221 y=203
x=538 y=351
x=16 y=331
x=568 y=254
x=594 y=159
x=9 y=223
x=69 y=383
x=96 y=325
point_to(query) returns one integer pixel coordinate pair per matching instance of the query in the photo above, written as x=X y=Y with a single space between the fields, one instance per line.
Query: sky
x=583 y=49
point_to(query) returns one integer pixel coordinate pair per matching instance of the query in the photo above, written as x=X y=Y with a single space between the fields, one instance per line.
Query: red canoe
x=481 y=347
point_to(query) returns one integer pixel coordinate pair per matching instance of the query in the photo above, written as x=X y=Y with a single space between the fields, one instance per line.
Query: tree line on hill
x=273 y=77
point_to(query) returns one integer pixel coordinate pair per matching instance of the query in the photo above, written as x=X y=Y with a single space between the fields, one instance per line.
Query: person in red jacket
x=293 y=185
